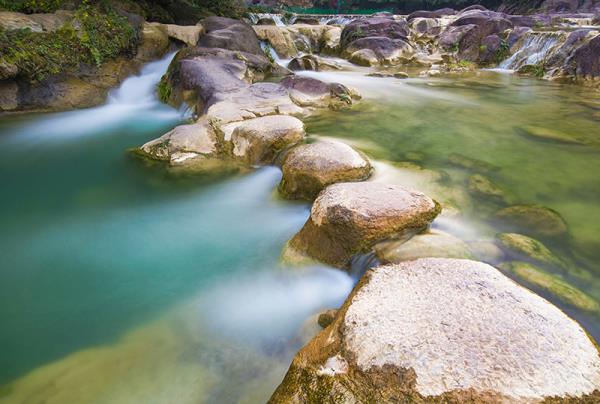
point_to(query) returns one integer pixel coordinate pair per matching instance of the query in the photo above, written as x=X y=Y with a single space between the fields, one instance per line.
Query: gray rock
x=432 y=244
x=308 y=169
x=444 y=330
x=350 y=218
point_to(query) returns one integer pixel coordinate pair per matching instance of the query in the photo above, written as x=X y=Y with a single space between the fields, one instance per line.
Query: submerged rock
x=525 y=248
x=551 y=135
x=432 y=244
x=349 y=218
x=482 y=187
x=562 y=290
x=309 y=168
x=471 y=163
x=259 y=140
x=444 y=330
x=533 y=220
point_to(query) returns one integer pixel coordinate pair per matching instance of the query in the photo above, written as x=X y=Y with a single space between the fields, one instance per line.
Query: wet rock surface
x=350 y=218
x=474 y=342
x=308 y=169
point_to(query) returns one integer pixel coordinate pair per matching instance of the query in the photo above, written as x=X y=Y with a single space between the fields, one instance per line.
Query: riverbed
x=125 y=282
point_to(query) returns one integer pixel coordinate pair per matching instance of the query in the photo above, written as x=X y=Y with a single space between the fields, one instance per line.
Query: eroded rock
x=444 y=330
x=350 y=218
x=309 y=168
x=533 y=220
x=259 y=140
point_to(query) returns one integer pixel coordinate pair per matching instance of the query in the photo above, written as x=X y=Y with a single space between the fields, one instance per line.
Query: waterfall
x=268 y=49
x=135 y=98
x=533 y=49
x=276 y=18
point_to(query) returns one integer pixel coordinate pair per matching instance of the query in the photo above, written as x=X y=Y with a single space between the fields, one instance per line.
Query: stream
x=122 y=282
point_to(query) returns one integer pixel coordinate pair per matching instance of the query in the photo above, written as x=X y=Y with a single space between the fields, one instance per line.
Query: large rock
x=310 y=92
x=188 y=34
x=373 y=27
x=385 y=51
x=228 y=33
x=432 y=244
x=586 y=59
x=154 y=43
x=309 y=168
x=259 y=140
x=350 y=218
x=534 y=220
x=183 y=143
x=444 y=330
x=197 y=75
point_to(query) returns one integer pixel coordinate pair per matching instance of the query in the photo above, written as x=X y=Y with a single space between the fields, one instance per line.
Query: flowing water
x=122 y=282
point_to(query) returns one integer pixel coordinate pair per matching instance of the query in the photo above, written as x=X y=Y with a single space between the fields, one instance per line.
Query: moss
x=32 y=6
x=556 y=286
x=100 y=35
x=164 y=90
x=534 y=70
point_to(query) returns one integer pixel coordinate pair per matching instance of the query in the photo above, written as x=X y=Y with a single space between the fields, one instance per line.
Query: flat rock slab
x=444 y=330
x=309 y=168
x=349 y=218
x=259 y=140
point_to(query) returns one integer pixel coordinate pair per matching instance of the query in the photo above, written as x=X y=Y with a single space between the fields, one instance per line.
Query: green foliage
x=164 y=90
x=224 y=8
x=503 y=51
x=534 y=70
x=92 y=37
x=31 y=6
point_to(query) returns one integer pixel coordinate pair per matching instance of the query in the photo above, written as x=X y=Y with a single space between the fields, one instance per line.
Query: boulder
x=444 y=330
x=10 y=21
x=386 y=51
x=553 y=284
x=188 y=34
x=308 y=169
x=350 y=218
x=586 y=60
x=331 y=41
x=490 y=49
x=256 y=100
x=281 y=39
x=183 y=143
x=197 y=75
x=228 y=33
x=522 y=248
x=533 y=220
x=310 y=92
x=259 y=140
x=385 y=27
x=154 y=43
x=313 y=62
x=433 y=243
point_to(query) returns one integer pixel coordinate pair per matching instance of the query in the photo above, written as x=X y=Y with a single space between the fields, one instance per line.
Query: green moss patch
x=93 y=36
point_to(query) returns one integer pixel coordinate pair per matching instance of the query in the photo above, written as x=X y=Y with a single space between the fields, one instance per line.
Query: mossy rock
x=471 y=164
x=550 y=135
x=558 y=287
x=534 y=220
x=526 y=248
x=483 y=188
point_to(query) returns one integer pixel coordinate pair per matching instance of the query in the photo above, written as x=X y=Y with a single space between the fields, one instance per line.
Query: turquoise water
x=118 y=271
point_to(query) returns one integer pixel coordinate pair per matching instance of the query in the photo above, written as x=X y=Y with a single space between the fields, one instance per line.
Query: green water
x=123 y=283
x=428 y=122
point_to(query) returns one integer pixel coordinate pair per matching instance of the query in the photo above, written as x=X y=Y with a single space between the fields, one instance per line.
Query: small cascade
x=337 y=19
x=534 y=48
x=268 y=49
x=276 y=18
